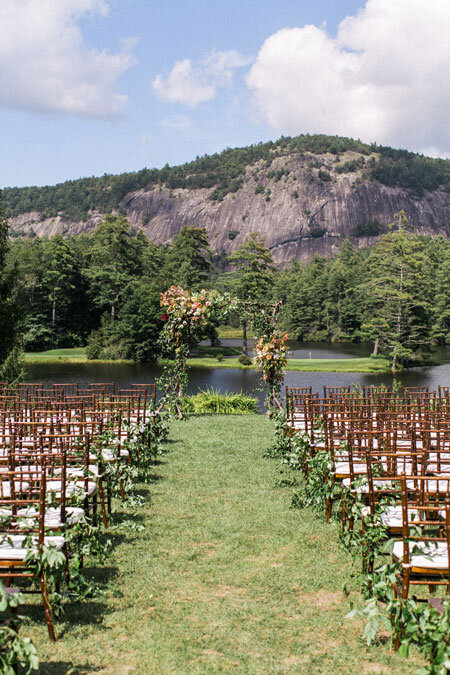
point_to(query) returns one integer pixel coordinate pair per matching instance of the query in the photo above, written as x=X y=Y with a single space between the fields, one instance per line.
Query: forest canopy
x=102 y=290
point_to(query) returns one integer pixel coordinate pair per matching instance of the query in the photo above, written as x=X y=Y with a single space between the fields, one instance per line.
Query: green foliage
x=213 y=401
x=189 y=260
x=371 y=228
x=9 y=307
x=350 y=166
x=324 y=176
x=105 y=342
x=245 y=360
x=317 y=232
x=409 y=170
x=15 y=650
x=12 y=369
x=399 y=301
x=115 y=257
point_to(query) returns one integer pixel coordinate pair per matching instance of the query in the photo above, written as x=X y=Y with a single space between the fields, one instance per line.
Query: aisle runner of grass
x=225 y=575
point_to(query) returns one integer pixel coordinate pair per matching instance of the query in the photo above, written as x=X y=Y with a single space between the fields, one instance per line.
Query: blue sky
x=103 y=86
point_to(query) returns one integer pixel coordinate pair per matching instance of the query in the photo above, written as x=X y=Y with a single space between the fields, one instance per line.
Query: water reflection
x=249 y=381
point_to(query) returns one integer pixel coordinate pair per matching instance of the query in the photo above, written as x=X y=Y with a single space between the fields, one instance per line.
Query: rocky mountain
x=303 y=197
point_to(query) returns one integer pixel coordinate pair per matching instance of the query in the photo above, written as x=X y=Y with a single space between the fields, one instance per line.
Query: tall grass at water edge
x=211 y=400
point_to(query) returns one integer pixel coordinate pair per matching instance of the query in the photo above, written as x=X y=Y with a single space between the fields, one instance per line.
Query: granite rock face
x=307 y=210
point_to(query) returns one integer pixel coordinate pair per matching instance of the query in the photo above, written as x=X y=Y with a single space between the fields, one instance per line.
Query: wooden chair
x=424 y=553
x=18 y=533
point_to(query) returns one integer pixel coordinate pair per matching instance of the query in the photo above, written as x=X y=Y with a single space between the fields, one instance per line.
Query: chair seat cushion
x=392 y=515
x=53 y=520
x=343 y=468
x=359 y=489
x=110 y=455
x=12 y=548
x=75 y=489
x=426 y=555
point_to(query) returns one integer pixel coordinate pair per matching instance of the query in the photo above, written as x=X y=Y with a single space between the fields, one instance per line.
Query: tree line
x=102 y=290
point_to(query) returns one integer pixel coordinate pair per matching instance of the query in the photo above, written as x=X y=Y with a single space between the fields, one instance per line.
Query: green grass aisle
x=225 y=575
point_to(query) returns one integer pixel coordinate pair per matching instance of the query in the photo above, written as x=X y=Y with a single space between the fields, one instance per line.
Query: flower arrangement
x=185 y=316
x=271 y=359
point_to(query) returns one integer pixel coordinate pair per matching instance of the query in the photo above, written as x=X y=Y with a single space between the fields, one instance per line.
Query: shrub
x=213 y=401
x=371 y=228
x=245 y=360
x=324 y=176
x=317 y=232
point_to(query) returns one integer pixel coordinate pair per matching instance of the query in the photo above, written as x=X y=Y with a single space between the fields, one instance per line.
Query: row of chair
x=56 y=467
x=391 y=454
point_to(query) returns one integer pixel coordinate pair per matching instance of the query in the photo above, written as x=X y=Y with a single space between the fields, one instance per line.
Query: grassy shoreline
x=356 y=365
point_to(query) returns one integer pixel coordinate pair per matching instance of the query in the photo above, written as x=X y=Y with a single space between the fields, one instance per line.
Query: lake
x=249 y=381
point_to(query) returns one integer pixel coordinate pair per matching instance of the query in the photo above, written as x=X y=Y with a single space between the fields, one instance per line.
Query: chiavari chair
x=424 y=552
x=148 y=389
x=25 y=491
x=69 y=388
x=103 y=388
x=334 y=392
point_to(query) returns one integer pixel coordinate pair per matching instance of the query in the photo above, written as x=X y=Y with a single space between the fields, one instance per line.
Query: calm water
x=248 y=381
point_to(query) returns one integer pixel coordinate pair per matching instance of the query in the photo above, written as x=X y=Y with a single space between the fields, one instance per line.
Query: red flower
x=164 y=317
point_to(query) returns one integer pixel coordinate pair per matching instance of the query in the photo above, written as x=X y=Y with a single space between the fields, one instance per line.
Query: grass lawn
x=225 y=575
x=72 y=355
x=357 y=365
x=229 y=333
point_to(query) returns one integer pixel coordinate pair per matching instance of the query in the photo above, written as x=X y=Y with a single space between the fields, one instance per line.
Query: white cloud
x=385 y=77
x=177 y=122
x=191 y=84
x=45 y=66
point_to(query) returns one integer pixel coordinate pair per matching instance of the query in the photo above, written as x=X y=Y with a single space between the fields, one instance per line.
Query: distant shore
x=208 y=360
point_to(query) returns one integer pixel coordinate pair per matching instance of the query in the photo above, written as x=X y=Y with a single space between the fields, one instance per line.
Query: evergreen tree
x=440 y=331
x=60 y=275
x=115 y=259
x=398 y=306
x=189 y=259
x=253 y=274
x=9 y=314
x=344 y=302
x=307 y=307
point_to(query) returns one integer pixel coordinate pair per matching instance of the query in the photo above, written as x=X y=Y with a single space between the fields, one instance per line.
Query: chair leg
x=329 y=508
x=102 y=502
x=47 y=609
x=405 y=583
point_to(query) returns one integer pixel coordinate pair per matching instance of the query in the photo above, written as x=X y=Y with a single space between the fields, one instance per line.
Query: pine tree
x=9 y=314
x=115 y=259
x=398 y=307
x=189 y=259
x=253 y=274
x=440 y=331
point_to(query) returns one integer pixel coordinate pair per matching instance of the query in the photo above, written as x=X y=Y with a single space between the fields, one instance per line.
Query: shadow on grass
x=61 y=667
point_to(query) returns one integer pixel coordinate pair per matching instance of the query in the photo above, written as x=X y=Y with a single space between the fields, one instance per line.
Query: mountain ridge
x=304 y=195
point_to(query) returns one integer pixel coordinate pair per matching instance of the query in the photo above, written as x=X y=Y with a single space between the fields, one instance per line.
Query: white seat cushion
x=110 y=455
x=11 y=546
x=429 y=556
x=52 y=519
x=392 y=515
x=72 y=489
x=343 y=468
